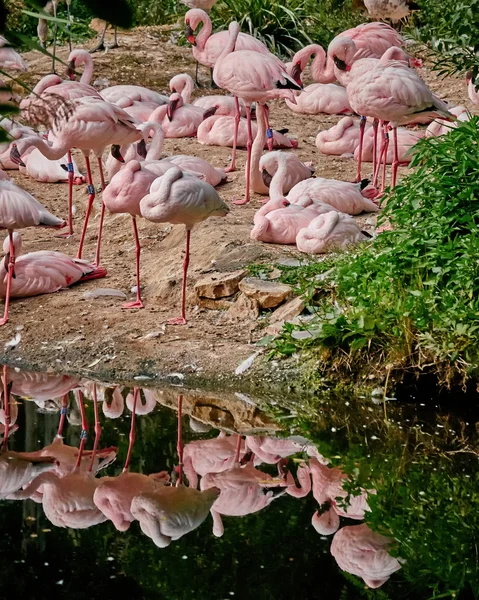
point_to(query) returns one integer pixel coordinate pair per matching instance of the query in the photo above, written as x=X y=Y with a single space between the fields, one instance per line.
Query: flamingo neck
x=322 y=67
x=187 y=90
x=204 y=34
x=52 y=151
x=257 y=182
x=276 y=186
x=261 y=227
x=88 y=71
x=156 y=146
x=234 y=31
x=46 y=82
x=330 y=221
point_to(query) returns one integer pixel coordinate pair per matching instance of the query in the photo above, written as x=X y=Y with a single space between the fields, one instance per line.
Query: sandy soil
x=67 y=331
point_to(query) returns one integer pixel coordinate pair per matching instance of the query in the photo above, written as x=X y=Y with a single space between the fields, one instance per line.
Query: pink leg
x=11 y=268
x=97 y=428
x=136 y=392
x=6 y=407
x=375 y=143
x=63 y=414
x=91 y=197
x=378 y=164
x=385 y=157
x=138 y=302
x=102 y=215
x=238 y=449
x=84 y=429
x=362 y=127
x=396 y=158
x=69 y=232
x=182 y=320
x=179 y=446
x=232 y=166
x=248 y=160
x=269 y=131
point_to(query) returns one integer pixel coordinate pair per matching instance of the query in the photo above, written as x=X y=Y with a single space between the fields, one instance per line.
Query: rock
x=220 y=304
x=268 y=294
x=219 y=285
x=285 y=313
x=244 y=309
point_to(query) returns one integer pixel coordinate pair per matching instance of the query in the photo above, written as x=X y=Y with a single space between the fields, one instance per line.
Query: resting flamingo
x=180 y=198
x=321 y=98
x=443 y=127
x=281 y=171
x=179 y=119
x=17 y=470
x=9 y=59
x=471 y=89
x=342 y=138
x=330 y=231
x=252 y=77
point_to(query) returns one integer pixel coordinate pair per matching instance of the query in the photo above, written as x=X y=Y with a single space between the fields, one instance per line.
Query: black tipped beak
x=340 y=63
x=170 y=111
x=116 y=153
x=141 y=149
x=266 y=178
x=190 y=35
x=15 y=156
x=210 y=112
x=296 y=73
x=6 y=261
x=64 y=167
x=71 y=70
x=364 y=183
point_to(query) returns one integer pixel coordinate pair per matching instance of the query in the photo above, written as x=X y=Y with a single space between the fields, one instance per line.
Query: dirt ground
x=67 y=331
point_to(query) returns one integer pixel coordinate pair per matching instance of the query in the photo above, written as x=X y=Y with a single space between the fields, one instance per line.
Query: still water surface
x=339 y=499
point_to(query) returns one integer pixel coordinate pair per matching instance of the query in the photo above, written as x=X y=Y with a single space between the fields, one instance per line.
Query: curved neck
x=230 y=46
x=277 y=183
x=46 y=82
x=204 y=33
x=187 y=90
x=51 y=151
x=88 y=71
x=322 y=67
x=156 y=146
x=330 y=221
x=257 y=182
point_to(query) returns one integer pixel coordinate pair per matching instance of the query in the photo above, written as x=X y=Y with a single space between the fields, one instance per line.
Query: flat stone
x=286 y=313
x=268 y=294
x=244 y=309
x=219 y=285
x=210 y=304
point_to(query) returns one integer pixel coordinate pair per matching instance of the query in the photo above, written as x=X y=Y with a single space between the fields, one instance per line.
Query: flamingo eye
x=286 y=203
x=298 y=64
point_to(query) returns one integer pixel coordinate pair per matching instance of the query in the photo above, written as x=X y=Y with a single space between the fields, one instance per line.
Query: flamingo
x=370 y=40
x=321 y=98
x=9 y=59
x=40 y=386
x=329 y=231
x=223 y=105
x=184 y=85
x=406 y=138
x=93 y=125
x=113 y=408
x=179 y=198
x=342 y=138
x=442 y=127
x=205 y=5
x=18 y=209
x=41 y=169
x=17 y=470
x=281 y=171
x=472 y=89
x=179 y=119
x=392 y=10
x=253 y=77
x=43 y=272
x=360 y=551
x=101 y=42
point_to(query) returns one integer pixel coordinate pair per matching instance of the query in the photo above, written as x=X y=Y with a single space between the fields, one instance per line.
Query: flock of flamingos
x=64 y=478
x=364 y=72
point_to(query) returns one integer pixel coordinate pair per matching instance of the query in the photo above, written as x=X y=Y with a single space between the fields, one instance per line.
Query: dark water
x=419 y=460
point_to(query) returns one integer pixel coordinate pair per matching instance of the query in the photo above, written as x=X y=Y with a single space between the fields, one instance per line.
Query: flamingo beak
x=340 y=64
x=115 y=152
x=210 y=112
x=71 y=70
x=170 y=111
x=141 y=149
x=266 y=178
x=468 y=76
x=190 y=35
x=296 y=73
x=15 y=156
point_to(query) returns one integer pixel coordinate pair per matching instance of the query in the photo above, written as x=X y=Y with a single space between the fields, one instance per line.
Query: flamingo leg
x=362 y=127
x=384 y=153
x=269 y=131
x=102 y=215
x=136 y=392
x=179 y=446
x=378 y=163
x=238 y=449
x=213 y=82
x=91 y=198
x=11 y=269
x=115 y=38
x=97 y=428
x=138 y=302
x=55 y=33
x=101 y=43
x=63 y=414
x=396 y=158
x=182 y=320
x=375 y=143
x=69 y=26
x=249 y=145
x=196 y=74
x=70 y=198
x=84 y=429
x=6 y=407
x=232 y=166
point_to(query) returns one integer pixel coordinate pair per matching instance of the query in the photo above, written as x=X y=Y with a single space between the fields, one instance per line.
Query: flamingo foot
x=241 y=202
x=230 y=169
x=3 y=321
x=264 y=200
x=135 y=304
x=65 y=234
x=113 y=46
x=177 y=321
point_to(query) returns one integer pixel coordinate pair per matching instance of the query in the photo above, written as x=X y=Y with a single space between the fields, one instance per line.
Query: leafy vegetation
x=411 y=298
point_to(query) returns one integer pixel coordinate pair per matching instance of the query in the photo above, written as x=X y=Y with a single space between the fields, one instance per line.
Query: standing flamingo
x=18 y=209
x=179 y=198
x=252 y=77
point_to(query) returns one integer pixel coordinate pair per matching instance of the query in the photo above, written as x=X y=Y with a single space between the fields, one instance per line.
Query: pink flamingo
x=43 y=272
x=279 y=222
x=93 y=125
x=18 y=209
x=442 y=127
x=145 y=403
x=370 y=39
x=219 y=130
x=342 y=138
x=471 y=89
x=179 y=198
x=17 y=470
x=113 y=407
x=360 y=551
x=179 y=119
x=205 y=5
x=321 y=98
x=392 y=10
x=49 y=171
x=252 y=77
x=9 y=59
x=350 y=198
x=15 y=132
x=184 y=85
x=406 y=138
x=271 y=450
x=375 y=92
x=281 y=171
x=329 y=231
x=243 y=491
x=41 y=386
x=223 y=105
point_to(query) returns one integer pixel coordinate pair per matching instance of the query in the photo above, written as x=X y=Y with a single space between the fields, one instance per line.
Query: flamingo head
x=141 y=149
x=296 y=71
x=189 y=33
x=266 y=178
x=71 y=70
x=175 y=102
x=342 y=50
x=15 y=156
x=209 y=112
x=116 y=153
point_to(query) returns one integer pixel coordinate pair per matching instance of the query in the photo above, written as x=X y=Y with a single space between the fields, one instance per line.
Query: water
x=418 y=459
